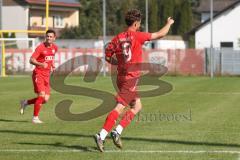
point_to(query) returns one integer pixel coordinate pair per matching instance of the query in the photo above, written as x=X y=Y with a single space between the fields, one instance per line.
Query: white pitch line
x=208 y=93
x=126 y=151
x=177 y=151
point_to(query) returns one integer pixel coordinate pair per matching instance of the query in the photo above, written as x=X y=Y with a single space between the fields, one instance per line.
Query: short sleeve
x=56 y=48
x=143 y=37
x=36 y=53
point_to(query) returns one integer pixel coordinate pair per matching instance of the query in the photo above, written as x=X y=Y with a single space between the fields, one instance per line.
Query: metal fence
x=226 y=61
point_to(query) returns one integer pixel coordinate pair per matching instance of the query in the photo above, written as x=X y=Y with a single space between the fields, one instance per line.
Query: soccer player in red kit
x=43 y=59
x=125 y=50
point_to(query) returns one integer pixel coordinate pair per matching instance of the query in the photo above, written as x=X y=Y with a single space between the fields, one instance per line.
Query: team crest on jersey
x=53 y=50
x=44 y=52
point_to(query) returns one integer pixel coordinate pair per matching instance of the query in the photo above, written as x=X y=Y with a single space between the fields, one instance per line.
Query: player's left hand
x=170 y=20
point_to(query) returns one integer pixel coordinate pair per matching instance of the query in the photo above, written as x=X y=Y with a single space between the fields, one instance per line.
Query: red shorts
x=41 y=83
x=127 y=93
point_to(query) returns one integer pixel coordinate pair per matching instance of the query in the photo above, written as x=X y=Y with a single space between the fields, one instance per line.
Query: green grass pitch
x=207 y=127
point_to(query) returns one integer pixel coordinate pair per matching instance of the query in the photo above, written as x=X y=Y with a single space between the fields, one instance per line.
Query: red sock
x=31 y=101
x=110 y=120
x=127 y=118
x=37 y=105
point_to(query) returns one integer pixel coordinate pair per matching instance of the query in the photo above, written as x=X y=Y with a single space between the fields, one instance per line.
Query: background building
x=225 y=29
x=31 y=15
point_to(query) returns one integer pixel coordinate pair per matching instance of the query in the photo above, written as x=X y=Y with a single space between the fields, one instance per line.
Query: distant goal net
x=14 y=58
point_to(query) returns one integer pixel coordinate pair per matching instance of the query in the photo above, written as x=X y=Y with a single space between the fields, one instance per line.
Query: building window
x=226 y=44
x=58 y=21
x=153 y=45
x=43 y=23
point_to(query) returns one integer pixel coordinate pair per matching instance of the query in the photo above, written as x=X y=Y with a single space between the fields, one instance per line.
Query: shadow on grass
x=61 y=145
x=151 y=140
x=10 y=120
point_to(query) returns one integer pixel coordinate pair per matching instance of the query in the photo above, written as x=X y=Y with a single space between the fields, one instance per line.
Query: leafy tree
x=185 y=19
x=90 y=16
x=153 y=16
x=166 y=10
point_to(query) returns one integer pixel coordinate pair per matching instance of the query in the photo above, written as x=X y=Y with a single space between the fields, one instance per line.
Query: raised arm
x=163 y=32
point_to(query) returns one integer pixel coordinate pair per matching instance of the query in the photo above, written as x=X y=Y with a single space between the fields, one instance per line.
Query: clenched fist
x=170 y=20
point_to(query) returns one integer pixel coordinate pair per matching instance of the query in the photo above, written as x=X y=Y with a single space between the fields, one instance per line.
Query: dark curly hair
x=132 y=16
x=51 y=31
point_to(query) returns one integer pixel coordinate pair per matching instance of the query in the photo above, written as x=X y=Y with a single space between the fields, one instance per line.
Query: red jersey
x=44 y=54
x=128 y=49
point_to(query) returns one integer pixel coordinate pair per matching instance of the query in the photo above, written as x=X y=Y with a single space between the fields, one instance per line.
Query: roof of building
x=66 y=3
x=214 y=17
x=218 y=5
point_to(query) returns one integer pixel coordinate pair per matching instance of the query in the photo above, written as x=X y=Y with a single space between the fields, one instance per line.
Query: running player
x=43 y=59
x=126 y=47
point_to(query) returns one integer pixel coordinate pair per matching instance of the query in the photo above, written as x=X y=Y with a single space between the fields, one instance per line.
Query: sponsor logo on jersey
x=49 y=58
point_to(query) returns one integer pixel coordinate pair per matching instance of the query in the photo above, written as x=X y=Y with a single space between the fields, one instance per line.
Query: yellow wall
x=73 y=19
x=70 y=18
